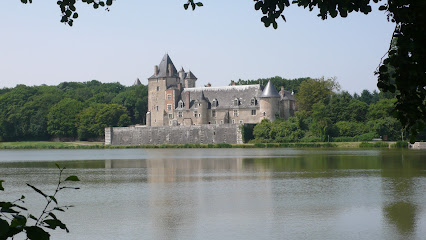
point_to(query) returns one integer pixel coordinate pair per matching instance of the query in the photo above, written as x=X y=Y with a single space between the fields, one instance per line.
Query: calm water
x=229 y=193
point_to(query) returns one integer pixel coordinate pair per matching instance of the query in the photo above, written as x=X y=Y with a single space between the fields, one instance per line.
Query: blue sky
x=222 y=41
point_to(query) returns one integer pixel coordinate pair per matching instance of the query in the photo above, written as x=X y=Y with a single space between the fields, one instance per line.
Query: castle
x=173 y=100
x=180 y=113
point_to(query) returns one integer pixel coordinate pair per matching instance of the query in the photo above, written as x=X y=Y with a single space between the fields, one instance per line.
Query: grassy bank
x=100 y=145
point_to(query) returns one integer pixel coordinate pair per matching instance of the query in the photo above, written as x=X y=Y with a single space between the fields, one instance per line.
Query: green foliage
x=63 y=117
x=16 y=219
x=43 y=112
x=94 y=119
x=400 y=144
x=313 y=91
x=278 y=82
x=374 y=145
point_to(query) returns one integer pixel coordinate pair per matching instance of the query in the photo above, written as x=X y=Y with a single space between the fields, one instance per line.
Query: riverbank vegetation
x=100 y=145
x=80 y=111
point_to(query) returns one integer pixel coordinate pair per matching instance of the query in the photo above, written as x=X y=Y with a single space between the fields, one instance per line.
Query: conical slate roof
x=190 y=75
x=269 y=91
x=137 y=82
x=163 y=68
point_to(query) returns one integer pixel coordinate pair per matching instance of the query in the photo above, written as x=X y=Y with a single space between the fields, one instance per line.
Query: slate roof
x=137 y=82
x=190 y=75
x=225 y=96
x=269 y=91
x=288 y=96
x=163 y=68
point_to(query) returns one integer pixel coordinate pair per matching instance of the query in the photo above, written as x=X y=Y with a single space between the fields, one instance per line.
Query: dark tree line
x=70 y=110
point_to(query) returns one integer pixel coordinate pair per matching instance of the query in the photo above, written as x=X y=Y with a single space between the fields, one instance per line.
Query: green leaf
x=54 y=199
x=57 y=165
x=18 y=221
x=186 y=5
x=32 y=217
x=36 y=233
x=72 y=178
x=37 y=190
x=4 y=228
x=200 y=4
x=109 y=2
x=54 y=223
x=1 y=186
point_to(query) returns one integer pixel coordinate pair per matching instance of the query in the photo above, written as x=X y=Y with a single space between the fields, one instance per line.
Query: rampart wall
x=203 y=134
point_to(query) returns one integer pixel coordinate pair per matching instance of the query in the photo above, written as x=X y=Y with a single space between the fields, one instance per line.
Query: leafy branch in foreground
x=15 y=218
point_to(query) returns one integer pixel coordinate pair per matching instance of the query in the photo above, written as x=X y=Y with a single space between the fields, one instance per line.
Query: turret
x=202 y=109
x=190 y=80
x=269 y=102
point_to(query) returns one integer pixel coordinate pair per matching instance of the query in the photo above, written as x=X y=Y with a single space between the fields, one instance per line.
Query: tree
x=94 y=119
x=62 y=118
x=315 y=90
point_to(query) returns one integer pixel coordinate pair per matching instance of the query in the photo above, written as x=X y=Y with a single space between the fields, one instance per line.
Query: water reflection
x=270 y=194
x=399 y=182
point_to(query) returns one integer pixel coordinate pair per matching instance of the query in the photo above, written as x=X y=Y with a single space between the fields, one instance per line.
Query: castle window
x=199 y=115
x=236 y=102
x=214 y=103
x=169 y=107
x=170 y=115
x=156 y=108
x=158 y=88
x=213 y=113
x=169 y=96
x=264 y=113
x=180 y=104
x=180 y=114
x=221 y=121
x=215 y=122
x=253 y=112
x=253 y=102
x=233 y=121
x=241 y=122
x=195 y=113
x=235 y=113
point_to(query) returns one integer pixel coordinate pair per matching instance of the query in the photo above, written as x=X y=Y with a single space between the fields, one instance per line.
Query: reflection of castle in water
x=179 y=192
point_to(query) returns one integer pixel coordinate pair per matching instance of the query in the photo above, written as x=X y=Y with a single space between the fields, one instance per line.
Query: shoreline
x=101 y=145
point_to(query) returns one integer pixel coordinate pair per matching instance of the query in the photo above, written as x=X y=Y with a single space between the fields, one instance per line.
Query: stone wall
x=203 y=134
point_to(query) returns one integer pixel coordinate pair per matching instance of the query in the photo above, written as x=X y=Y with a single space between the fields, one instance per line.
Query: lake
x=228 y=193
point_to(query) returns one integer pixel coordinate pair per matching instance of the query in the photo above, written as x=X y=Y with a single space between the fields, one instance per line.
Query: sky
x=222 y=41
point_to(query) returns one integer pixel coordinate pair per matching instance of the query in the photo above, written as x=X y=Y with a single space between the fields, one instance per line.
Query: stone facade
x=180 y=113
x=173 y=100
x=203 y=134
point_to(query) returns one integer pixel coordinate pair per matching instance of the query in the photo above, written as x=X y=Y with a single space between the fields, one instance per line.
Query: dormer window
x=180 y=104
x=236 y=102
x=253 y=102
x=214 y=103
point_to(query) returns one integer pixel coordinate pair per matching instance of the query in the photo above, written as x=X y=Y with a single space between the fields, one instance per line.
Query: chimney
x=233 y=83
x=170 y=70
x=155 y=70
x=209 y=84
x=282 y=91
x=179 y=86
x=187 y=100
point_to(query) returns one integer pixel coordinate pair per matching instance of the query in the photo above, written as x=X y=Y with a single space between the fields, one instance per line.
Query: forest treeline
x=70 y=110
x=76 y=110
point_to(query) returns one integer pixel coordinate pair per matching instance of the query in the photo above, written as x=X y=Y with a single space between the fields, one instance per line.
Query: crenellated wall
x=203 y=134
